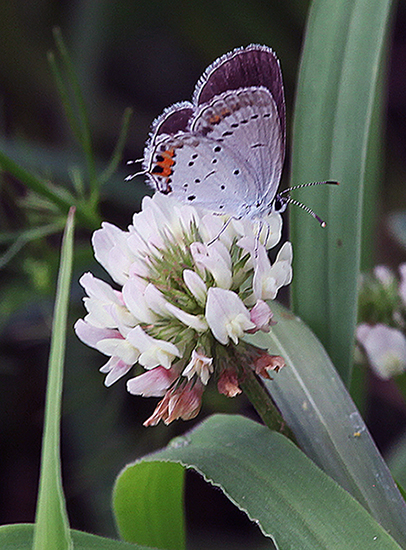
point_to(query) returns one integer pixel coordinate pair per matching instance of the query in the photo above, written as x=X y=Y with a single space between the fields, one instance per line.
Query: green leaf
x=397 y=461
x=52 y=525
x=148 y=504
x=316 y=405
x=338 y=84
x=279 y=488
x=19 y=537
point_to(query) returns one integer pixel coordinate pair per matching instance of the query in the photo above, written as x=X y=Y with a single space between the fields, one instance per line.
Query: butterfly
x=225 y=150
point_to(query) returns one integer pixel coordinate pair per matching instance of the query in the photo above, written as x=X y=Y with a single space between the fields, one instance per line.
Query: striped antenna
x=308 y=185
x=140 y=173
x=289 y=200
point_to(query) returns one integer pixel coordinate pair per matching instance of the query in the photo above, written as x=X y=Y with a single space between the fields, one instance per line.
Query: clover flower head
x=186 y=283
x=382 y=314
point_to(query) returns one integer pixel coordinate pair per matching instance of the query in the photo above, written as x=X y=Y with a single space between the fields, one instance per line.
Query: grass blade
x=51 y=524
x=338 y=84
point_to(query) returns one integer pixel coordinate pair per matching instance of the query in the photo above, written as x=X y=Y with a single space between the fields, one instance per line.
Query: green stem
x=263 y=404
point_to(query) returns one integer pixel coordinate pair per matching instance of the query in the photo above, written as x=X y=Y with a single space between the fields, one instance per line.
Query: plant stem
x=263 y=404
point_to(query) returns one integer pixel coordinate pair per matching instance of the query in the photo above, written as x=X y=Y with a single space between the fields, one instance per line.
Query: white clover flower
x=190 y=282
x=385 y=348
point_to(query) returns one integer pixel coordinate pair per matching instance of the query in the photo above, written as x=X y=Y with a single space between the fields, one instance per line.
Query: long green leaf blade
x=337 y=90
x=315 y=403
x=51 y=522
x=279 y=488
x=20 y=536
x=151 y=513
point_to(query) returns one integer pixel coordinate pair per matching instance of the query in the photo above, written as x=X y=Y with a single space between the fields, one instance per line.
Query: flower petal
x=216 y=259
x=115 y=369
x=153 y=383
x=196 y=322
x=118 y=347
x=91 y=335
x=196 y=285
x=226 y=315
x=199 y=365
x=153 y=352
x=112 y=252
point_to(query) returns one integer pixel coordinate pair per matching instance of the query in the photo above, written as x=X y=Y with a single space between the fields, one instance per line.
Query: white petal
x=197 y=322
x=216 y=259
x=153 y=383
x=99 y=289
x=153 y=352
x=196 y=285
x=269 y=279
x=155 y=300
x=201 y=365
x=121 y=348
x=211 y=228
x=133 y=294
x=112 y=252
x=384 y=275
x=115 y=369
x=90 y=334
x=226 y=315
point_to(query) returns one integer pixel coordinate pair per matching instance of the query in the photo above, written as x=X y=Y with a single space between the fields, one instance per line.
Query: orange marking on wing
x=163 y=166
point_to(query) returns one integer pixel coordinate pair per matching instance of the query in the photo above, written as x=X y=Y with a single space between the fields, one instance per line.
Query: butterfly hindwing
x=247 y=122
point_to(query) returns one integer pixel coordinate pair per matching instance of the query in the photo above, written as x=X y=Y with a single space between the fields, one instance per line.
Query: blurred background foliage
x=143 y=55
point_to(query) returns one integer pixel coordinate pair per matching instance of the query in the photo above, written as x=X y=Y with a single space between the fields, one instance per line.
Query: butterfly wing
x=225 y=151
x=247 y=122
x=254 y=65
x=233 y=149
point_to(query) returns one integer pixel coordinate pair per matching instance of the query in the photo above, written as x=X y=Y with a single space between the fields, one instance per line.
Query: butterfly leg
x=221 y=230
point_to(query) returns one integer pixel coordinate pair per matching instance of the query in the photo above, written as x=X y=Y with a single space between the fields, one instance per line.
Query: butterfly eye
x=280 y=203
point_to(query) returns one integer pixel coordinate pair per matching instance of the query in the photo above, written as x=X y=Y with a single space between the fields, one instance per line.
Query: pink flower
x=183 y=402
x=228 y=383
x=266 y=363
x=261 y=316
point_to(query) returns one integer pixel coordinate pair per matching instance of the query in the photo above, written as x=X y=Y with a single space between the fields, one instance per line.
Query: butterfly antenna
x=308 y=185
x=132 y=176
x=134 y=161
x=289 y=200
